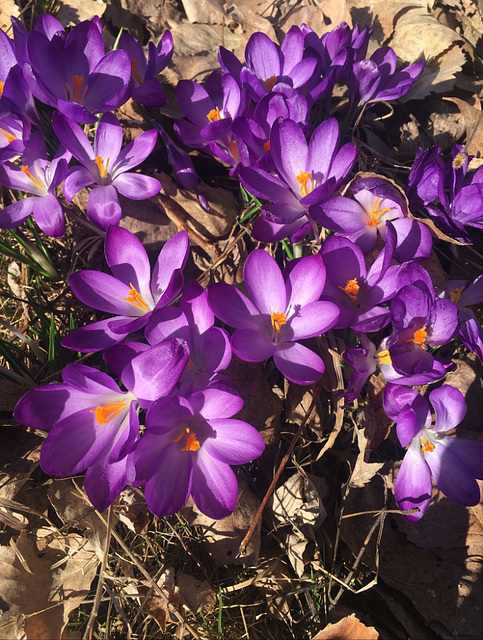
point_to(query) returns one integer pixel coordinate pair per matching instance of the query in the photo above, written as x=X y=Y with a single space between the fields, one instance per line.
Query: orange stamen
x=191 y=444
x=136 y=299
x=135 y=72
x=375 y=214
x=266 y=146
x=303 y=178
x=103 y=170
x=384 y=357
x=214 y=115
x=270 y=82
x=427 y=445
x=233 y=150
x=78 y=95
x=352 y=289
x=6 y=134
x=109 y=411
x=35 y=180
x=278 y=319
x=419 y=338
x=2 y=84
x=456 y=295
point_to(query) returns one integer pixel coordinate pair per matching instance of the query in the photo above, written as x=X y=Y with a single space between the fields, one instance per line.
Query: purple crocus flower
x=14 y=133
x=38 y=177
x=364 y=361
x=308 y=174
x=15 y=96
x=93 y=425
x=187 y=449
x=420 y=320
x=361 y=219
x=358 y=292
x=454 y=463
x=209 y=346
x=73 y=74
x=106 y=166
x=147 y=90
x=281 y=309
x=132 y=293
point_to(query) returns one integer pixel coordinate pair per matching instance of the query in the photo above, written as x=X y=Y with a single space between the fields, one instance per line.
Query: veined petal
x=128 y=260
x=299 y=364
x=452 y=475
x=264 y=282
x=103 y=206
x=215 y=487
x=413 y=487
x=136 y=186
x=235 y=442
x=449 y=406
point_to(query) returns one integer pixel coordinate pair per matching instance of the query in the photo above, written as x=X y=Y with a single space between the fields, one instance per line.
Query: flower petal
x=264 y=282
x=215 y=487
x=413 y=487
x=299 y=364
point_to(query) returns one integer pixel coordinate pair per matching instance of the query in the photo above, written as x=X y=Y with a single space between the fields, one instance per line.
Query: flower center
x=419 y=338
x=191 y=443
x=103 y=170
x=135 y=72
x=136 y=299
x=10 y=137
x=79 y=94
x=427 y=445
x=214 y=115
x=270 y=83
x=456 y=295
x=109 y=410
x=35 y=180
x=352 y=289
x=304 y=178
x=384 y=357
x=277 y=319
x=375 y=214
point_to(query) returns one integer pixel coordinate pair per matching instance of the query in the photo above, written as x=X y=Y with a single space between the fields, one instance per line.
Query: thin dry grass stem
x=100 y=585
x=281 y=467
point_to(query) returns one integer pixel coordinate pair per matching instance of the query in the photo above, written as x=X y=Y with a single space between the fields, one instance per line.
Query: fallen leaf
x=195 y=594
x=297 y=502
x=75 y=11
x=204 y=11
x=472 y=116
x=349 y=628
x=154 y=605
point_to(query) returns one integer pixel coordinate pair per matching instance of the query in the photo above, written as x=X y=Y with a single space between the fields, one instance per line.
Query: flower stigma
x=419 y=338
x=303 y=178
x=103 y=170
x=106 y=412
x=191 y=444
x=427 y=445
x=214 y=115
x=351 y=289
x=35 y=180
x=375 y=214
x=270 y=83
x=78 y=95
x=135 y=72
x=136 y=299
x=2 y=85
x=277 y=319
x=384 y=357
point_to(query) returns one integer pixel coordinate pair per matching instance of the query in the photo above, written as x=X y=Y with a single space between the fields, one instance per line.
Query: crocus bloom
x=106 y=166
x=308 y=174
x=93 y=425
x=187 y=449
x=358 y=292
x=73 y=74
x=132 y=293
x=147 y=90
x=39 y=178
x=419 y=320
x=454 y=463
x=14 y=133
x=281 y=308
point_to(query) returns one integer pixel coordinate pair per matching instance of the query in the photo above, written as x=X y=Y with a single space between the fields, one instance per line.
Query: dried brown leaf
x=473 y=124
x=154 y=605
x=74 y=11
x=131 y=509
x=297 y=502
x=195 y=594
x=204 y=11
x=363 y=471
x=349 y=628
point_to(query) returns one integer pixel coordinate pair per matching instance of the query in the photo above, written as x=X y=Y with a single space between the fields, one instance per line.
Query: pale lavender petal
x=290 y=153
x=299 y=364
x=444 y=322
x=264 y=282
x=127 y=259
x=78 y=178
x=232 y=307
x=93 y=337
x=235 y=442
x=14 y=214
x=407 y=427
x=73 y=138
x=413 y=487
x=322 y=147
x=49 y=216
x=451 y=474
x=108 y=139
x=215 y=487
x=262 y=55
x=305 y=281
x=172 y=258
x=103 y=206
x=216 y=403
x=314 y=319
x=136 y=186
x=449 y=406
x=43 y=407
x=102 y=291
x=136 y=151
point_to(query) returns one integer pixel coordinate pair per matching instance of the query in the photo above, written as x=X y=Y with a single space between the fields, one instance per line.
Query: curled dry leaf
x=363 y=471
x=153 y=604
x=131 y=509
x=472 y=117
x=204 y=11
x=349 y=628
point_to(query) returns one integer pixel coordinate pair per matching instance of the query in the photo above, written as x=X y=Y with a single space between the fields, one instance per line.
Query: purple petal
x=128 y=260
x=102 y=291
x=136 y=186
x=451 y=474
x=216 y=403
x=264 y=282
x=93 y=337
x=305 y=281
x=135 y=152
x=314 y=319
x=449 y=406
x=322 y=148
x=235 y=442
x=172 y=258
x=168 y=490
x=408 y=426
x=232 y=307
x=215 y=487
x=299 y=364
x=104 y=481
x=252 y=345
x=290 y=153
x=73 y=138
x=78 y=178
x=262 y=56
x=108 y=139
x=103 y=206
x=14 y=214
x=413 y=487
x=49 y=216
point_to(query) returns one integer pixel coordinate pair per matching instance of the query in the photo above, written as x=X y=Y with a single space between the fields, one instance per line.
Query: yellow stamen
x=419 y=338
x=351 y=288
x=427 y=445
x=233 y=150
x=7 y=135
x=136 y=299
x=109 y=411
x=270 y=82
x=375 y=214
x=266 y=146
x=384 y=357
x=278 y=319
x=135 y=72
x=2 y=84
x=456 y=295
x=191 y=444
x=78 y=95
x=459 y=159
x=35 y=180
x=103 y=170
x=214 y=115
x=303 y=178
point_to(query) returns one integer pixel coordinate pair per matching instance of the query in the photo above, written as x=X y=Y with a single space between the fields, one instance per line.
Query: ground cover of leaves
x=327 y=558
